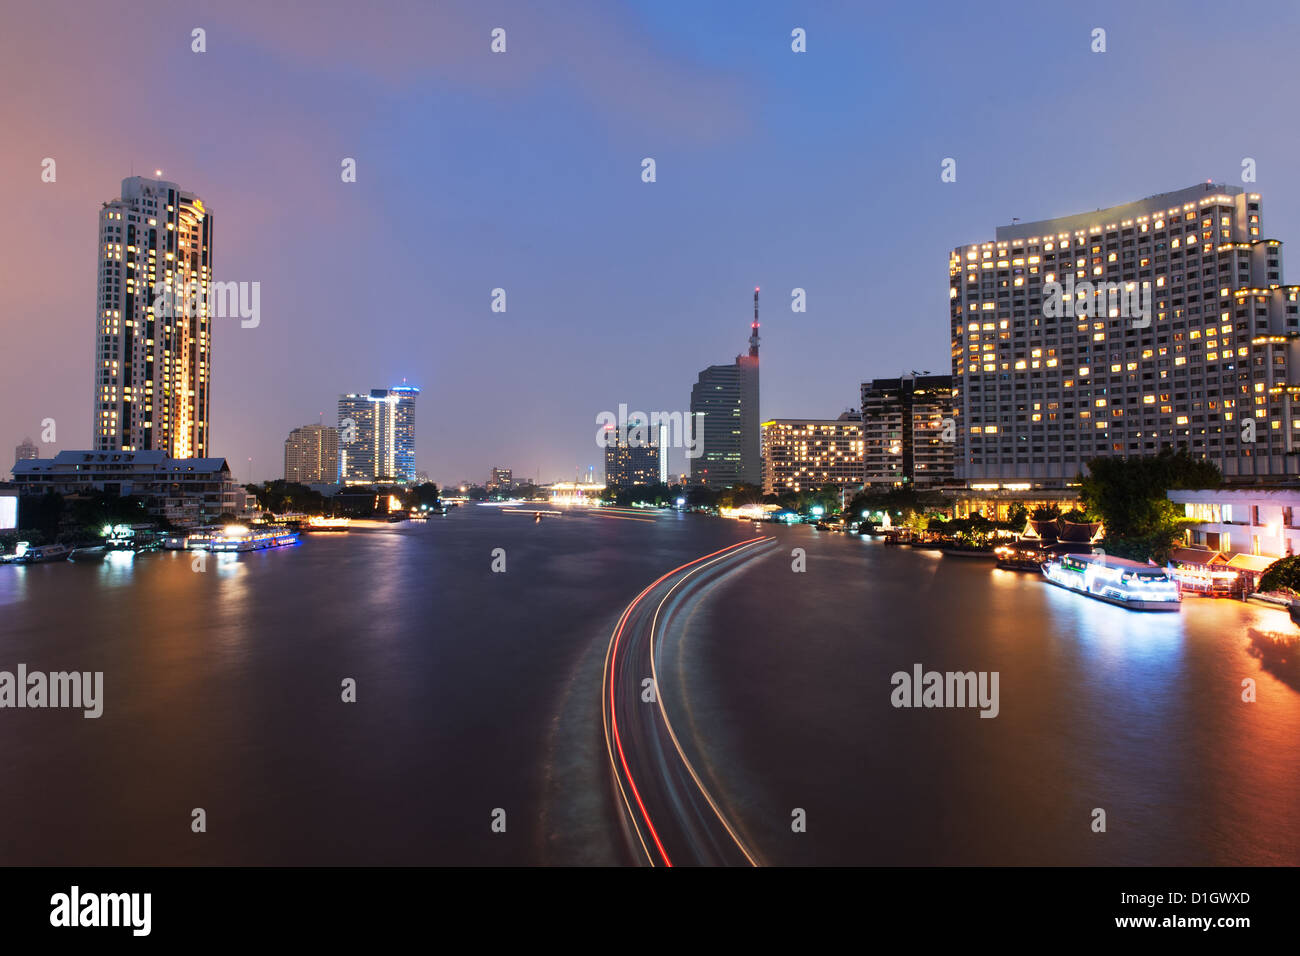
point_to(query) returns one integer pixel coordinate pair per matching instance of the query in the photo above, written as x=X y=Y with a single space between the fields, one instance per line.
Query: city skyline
x=560 y=273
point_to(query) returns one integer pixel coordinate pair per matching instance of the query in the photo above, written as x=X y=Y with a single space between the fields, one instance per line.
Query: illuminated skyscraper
x=152 y=372
x=377 y=435
x=727 y=397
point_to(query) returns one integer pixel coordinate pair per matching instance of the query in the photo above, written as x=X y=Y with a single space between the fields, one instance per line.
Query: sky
x=522 y=171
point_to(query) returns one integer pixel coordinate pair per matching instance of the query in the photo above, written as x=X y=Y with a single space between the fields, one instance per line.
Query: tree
x=1284 y=573
x=1129 y=496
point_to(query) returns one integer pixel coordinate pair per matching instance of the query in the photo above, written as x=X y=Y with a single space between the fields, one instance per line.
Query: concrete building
x=629 y=460
x=153 y=340
x=909 y=431
x=377 y=436
x=185 y=491
x=1161 y=323
x=727 y=398
x=311 y=455
x=807 y=454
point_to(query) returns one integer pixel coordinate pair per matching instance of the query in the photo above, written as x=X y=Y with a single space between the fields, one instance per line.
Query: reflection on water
x=477 y=690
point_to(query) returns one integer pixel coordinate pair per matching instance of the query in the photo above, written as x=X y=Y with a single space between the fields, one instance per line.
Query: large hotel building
x=808 y=454
x=1045 y=382
x=152 y=371
x=377 y=436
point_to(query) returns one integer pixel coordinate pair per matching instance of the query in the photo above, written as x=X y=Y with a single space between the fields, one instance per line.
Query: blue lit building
x=377 y=436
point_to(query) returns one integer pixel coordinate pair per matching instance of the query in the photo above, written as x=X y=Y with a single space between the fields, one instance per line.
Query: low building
x=997 y=502
x=1250 y=527
x=808 y=454
x=185 y=491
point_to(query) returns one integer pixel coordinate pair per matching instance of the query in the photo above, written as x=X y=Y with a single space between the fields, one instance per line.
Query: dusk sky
x=522 y=170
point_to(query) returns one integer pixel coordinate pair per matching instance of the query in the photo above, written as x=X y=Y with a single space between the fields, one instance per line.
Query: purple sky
x=522 y=171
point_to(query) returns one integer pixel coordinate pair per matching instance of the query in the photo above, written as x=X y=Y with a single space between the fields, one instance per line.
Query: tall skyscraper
x=1162 y=323
x=311 y=455
x=808 y=454
x=727 y=397
x=377 y=435
x=909 y=430
x=152 y=370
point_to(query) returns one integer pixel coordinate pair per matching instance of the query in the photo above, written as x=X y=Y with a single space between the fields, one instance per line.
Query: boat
x=1019 y=558
x=94 y=553
x=322 y=523
x=237 y=538
x=25 y=554
x=1130 y=584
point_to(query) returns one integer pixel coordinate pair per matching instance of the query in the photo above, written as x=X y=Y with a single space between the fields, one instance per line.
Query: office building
x=501 y=479
x=727 y=398
x=152 y=362
x=808 y=454
x=311 y=455
x=909 y=431
x=377 y=436
x=1162 y=323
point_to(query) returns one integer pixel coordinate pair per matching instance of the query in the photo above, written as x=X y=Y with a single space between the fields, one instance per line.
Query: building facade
x=311 y=455
x=1263 y=522
x=909 y=431
x=807 y=454
x=153 y=328
x=501 y=479
x=377 y=435
x=727 y=398
x=629 y=460
x=187 y=491
x=1162 y=323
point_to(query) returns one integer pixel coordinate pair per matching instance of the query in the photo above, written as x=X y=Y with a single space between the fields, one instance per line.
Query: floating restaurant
x=1130 y=584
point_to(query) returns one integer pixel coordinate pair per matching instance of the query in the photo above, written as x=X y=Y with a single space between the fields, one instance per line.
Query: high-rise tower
x=727 y=398
x=152 y=363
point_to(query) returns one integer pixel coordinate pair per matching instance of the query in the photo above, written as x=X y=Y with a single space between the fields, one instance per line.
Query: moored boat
x=94 y=553
x=237 y=538
x=40 y=554
x=1130 y=584
x=1019 y=558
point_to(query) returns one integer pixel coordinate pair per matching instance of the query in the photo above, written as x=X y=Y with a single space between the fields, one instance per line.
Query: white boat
x=1130 y=584
x=239 y=539
x=38 y=555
